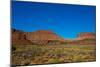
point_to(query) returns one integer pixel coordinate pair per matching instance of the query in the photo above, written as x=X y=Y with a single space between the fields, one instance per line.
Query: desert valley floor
x=45 y=47
x=46 y=54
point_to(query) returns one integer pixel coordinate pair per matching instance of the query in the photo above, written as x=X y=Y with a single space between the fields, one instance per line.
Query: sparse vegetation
x=42 y=54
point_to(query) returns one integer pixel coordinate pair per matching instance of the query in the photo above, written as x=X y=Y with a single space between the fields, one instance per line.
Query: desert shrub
x=64 y=43
x=52 y=42
x=36 y=51
x=13 y=48
x=40 y=54
x=53 y=60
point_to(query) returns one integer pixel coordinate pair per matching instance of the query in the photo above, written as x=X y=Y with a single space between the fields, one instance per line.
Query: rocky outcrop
x=37 y=37
x=19 y=37
x=42 y=35
x=86 y=35
x=86 y=38
x=48 y=37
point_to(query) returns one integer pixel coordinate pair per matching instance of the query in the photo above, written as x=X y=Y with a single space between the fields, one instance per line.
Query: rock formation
x=86 y=35
x=48 y=37
x=37 y=37
x=19 y=37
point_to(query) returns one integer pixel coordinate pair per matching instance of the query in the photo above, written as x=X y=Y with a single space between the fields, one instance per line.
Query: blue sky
x=66 y=20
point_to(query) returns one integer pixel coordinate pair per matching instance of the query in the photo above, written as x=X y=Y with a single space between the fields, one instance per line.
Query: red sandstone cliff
x=37 y=37
x=48 y=37
x=86 y=35
x=19 y=37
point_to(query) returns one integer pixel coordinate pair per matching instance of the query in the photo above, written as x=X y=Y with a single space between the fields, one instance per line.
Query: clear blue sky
x=66 y=20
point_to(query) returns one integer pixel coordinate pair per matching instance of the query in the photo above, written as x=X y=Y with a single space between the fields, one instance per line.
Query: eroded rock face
x=86 y=35
x=19 y=37
x=45 y=37
x=42 y=35
x=37 y=37
x=86 y=38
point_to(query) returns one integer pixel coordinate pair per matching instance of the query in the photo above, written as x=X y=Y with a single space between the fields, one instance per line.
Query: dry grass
x=44 y=54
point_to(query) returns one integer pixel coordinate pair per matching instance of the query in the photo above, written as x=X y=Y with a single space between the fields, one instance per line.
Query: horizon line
x=52 y=32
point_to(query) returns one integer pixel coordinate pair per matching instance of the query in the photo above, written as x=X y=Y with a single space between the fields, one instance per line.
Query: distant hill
x=37 y=37
x=86 y=35
x=48 y=37
x=85 y=38
x=43 y=35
